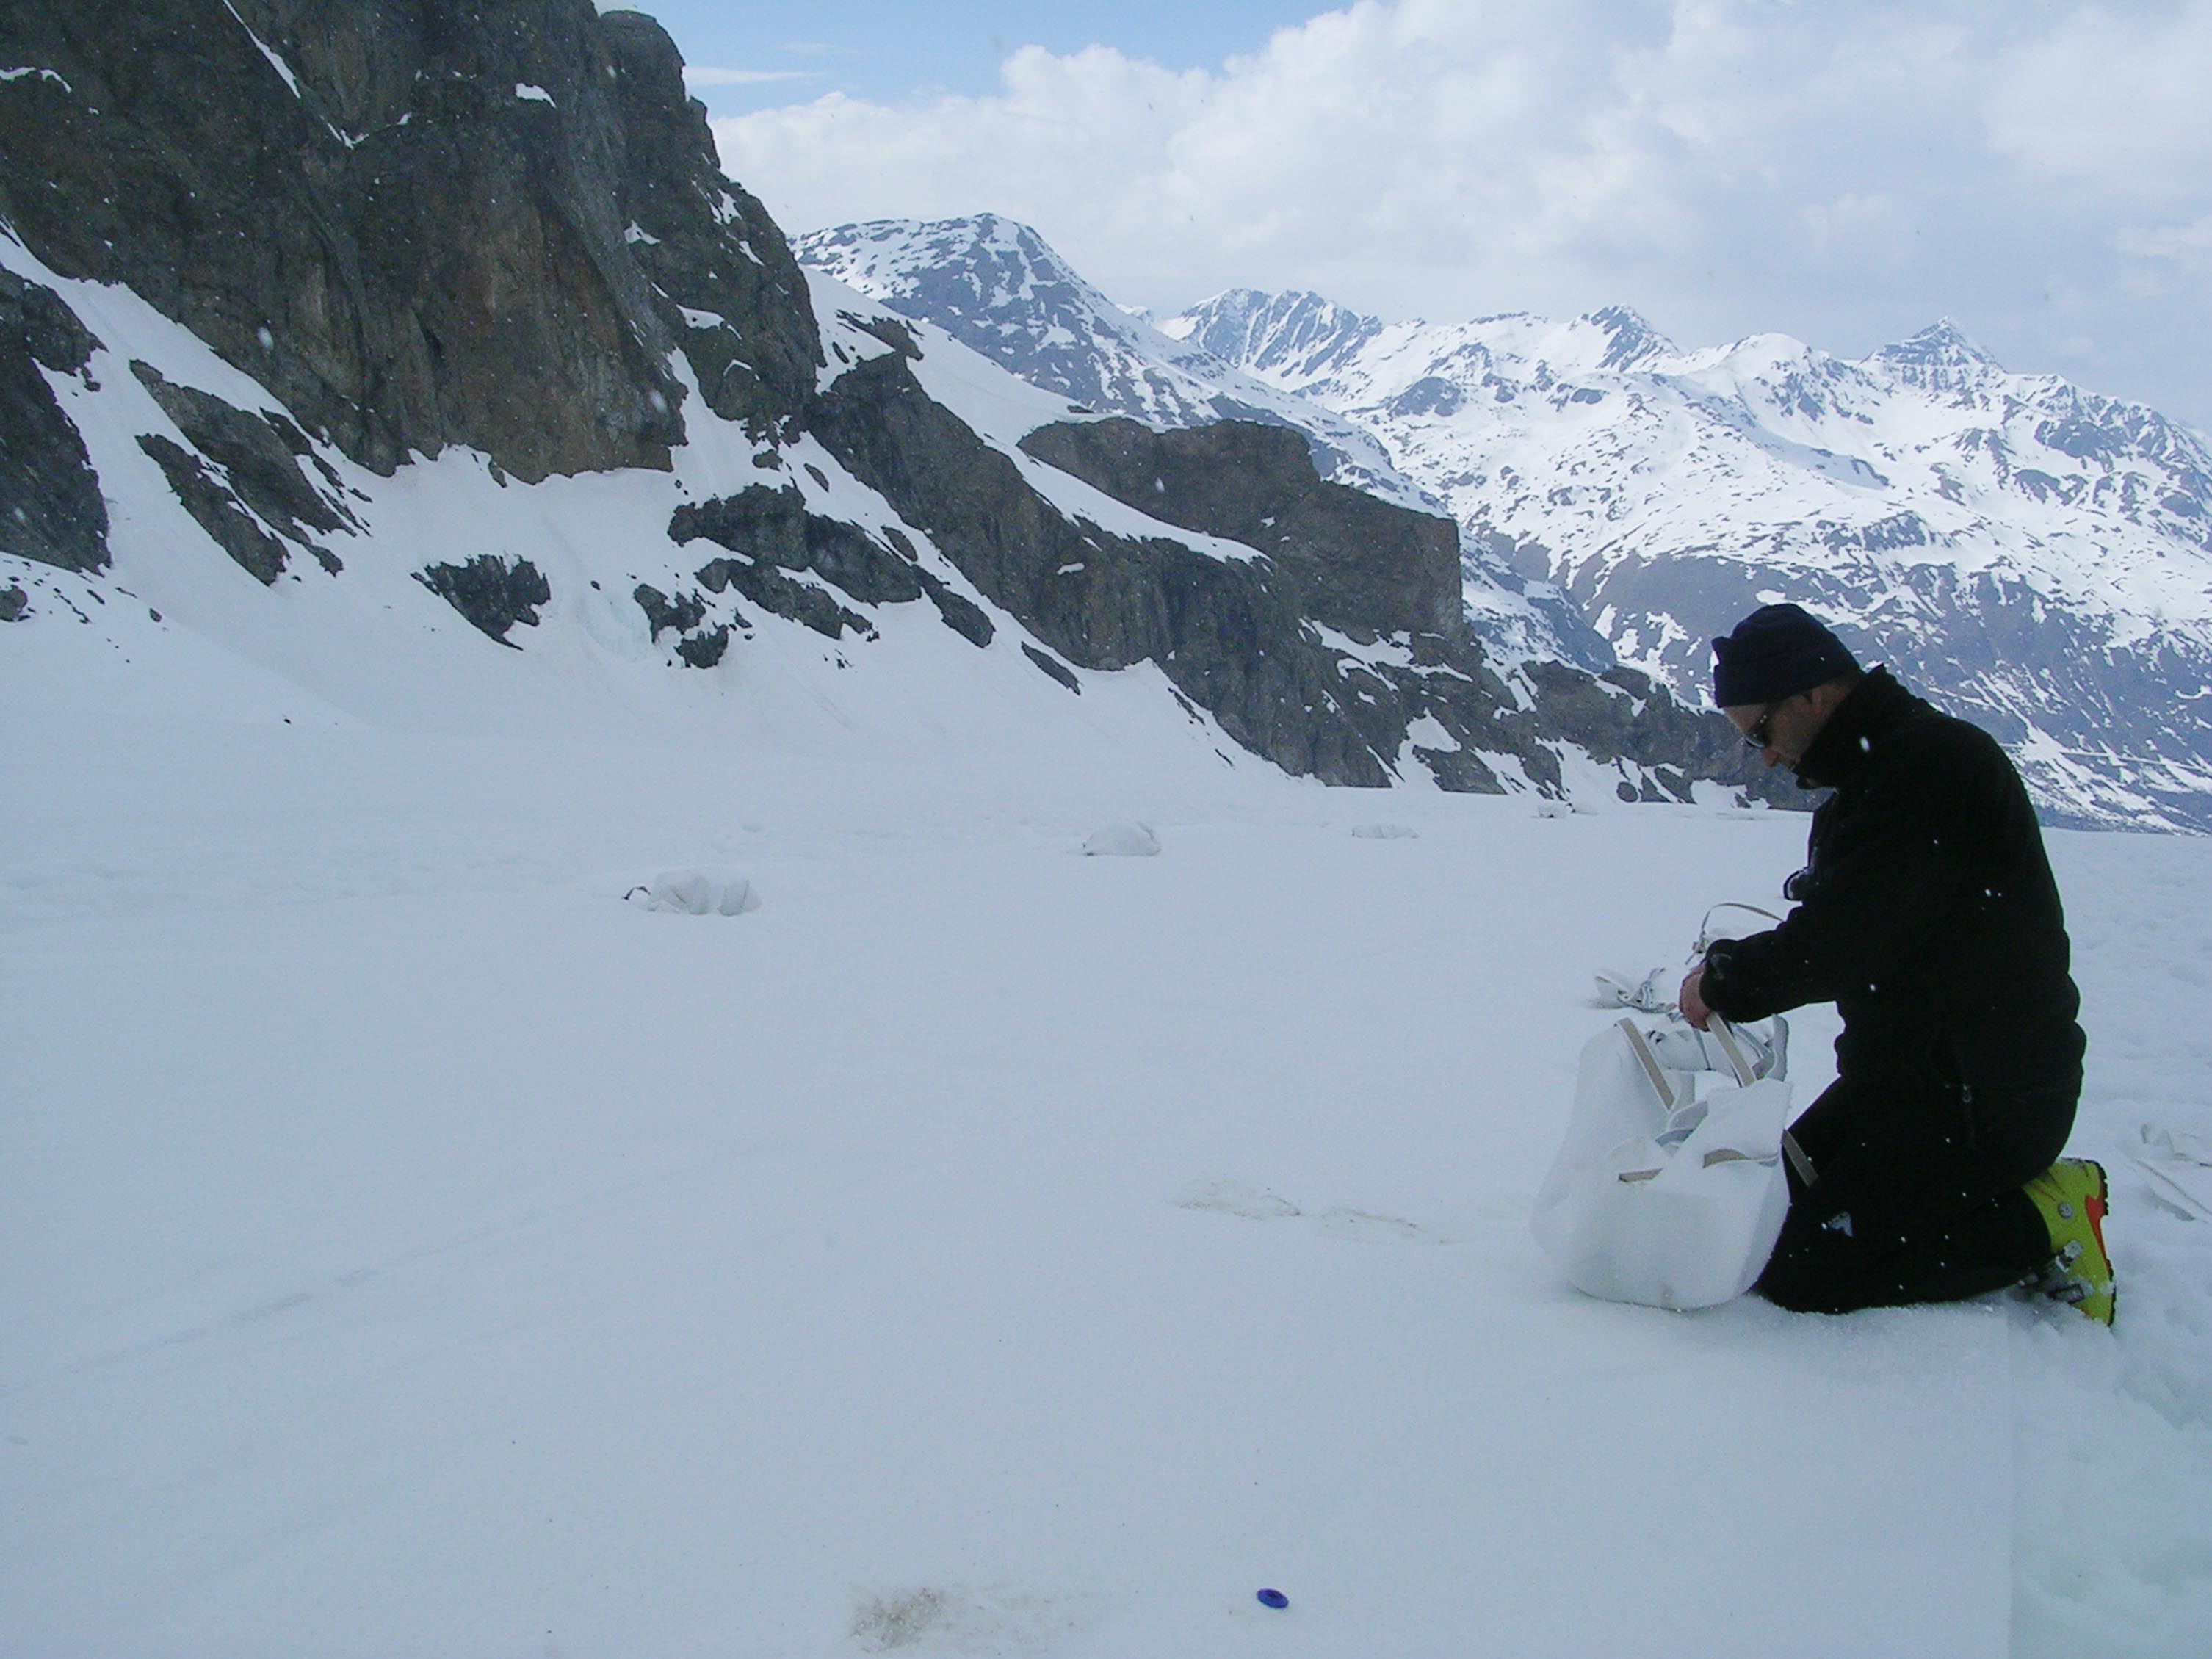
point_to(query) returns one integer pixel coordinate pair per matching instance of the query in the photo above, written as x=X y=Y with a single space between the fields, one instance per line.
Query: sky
x=2037 y=171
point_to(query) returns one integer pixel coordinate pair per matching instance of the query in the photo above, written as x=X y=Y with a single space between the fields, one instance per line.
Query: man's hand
x=1692 y=1001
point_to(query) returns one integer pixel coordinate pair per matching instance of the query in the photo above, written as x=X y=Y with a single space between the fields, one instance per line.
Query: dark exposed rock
x=50 y=508
x=1231 y=642
x=895 y=334
x=770 y=589
x=964 y=617
x=48 y=330
x=404 y=247
x=492 y=593
x=259 y=457
x=217 y=510
x=14 y=604
x=704 y=650
x=1359 y=563
x=663 y=614
x=1060 y=671
x=774 y=532
x=702 y=647
x=1432 y=395
x=773 y=527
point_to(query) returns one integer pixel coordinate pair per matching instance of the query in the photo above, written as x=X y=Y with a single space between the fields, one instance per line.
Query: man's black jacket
x=1926 y=912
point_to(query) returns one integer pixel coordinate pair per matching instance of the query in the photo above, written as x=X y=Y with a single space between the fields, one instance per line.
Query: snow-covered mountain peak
x=1943 y=341
x=1000 y=288
x=1284 y=338
x=978 y=268
x=1635 y=343
x=1940 y=359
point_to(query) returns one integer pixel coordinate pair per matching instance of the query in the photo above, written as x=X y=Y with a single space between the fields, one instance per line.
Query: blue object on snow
x=1273 y=1598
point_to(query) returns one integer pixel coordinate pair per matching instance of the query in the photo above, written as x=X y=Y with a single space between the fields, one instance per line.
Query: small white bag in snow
x=1669 y=1190
x=1385 y=832
x=698 y=893
x=1127 y=840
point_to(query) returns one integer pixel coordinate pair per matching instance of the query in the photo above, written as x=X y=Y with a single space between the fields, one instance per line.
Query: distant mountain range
x=2035 y=556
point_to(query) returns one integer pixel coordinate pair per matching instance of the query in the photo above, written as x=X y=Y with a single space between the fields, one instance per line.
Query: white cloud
x=2115 y=98
x=699 y=74
x=2189 y=246
x=1844 y=172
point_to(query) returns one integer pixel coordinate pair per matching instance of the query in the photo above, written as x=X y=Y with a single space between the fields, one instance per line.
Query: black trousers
x=1915 y=1201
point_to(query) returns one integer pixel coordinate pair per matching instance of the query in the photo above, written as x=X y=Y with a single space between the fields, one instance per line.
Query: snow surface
x=407 y=1247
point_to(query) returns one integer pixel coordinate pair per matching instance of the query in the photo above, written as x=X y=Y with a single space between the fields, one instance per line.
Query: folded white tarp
x=1669 y=1190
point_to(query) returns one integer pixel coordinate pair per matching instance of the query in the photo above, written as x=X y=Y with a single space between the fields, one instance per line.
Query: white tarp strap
x=1640 y=1047
x=1729 y=1155
x=1798 y=1161
x=1745 y=1073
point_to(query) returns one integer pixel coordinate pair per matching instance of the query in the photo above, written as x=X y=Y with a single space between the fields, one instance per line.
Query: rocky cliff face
x=1376 y=591
x=498 y=225
x=724 y=281
x=50 y=504
x=1354 y=562
x=412 y=223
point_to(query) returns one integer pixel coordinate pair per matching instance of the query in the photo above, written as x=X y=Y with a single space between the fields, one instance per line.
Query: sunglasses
x=1760 y=733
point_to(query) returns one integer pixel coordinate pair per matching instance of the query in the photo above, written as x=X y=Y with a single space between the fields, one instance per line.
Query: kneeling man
x=1926 y=912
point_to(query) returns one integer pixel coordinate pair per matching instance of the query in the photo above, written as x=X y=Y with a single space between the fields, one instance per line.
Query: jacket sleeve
x=1890 y=875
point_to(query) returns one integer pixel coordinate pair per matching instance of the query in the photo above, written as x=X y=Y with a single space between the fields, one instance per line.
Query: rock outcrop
x=723 y=280
x=495 y=595
x=402 y=219
x=50 y=505
x=1356 y=563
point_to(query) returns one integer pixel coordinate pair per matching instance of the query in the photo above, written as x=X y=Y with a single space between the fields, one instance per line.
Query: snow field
x=408 y=1247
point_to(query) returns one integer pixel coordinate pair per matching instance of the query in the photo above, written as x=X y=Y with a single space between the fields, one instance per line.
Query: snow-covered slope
x=2039 y=556
x=997 y=287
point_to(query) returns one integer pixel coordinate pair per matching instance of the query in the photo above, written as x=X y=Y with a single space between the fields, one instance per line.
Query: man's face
x=1782 y=731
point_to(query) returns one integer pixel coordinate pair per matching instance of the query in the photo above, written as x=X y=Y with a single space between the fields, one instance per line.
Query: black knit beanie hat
x=1776 y=652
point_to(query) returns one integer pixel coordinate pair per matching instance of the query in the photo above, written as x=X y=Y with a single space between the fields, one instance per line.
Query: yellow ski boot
x=2070 y=1196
